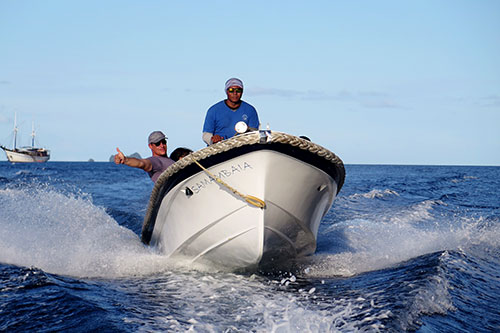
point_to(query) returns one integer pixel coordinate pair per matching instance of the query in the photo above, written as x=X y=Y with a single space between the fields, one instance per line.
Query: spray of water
x=66 y=234
x=386 y=238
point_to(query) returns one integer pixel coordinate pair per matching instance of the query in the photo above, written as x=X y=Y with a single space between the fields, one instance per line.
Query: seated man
x=154 y=165
x=223 y=116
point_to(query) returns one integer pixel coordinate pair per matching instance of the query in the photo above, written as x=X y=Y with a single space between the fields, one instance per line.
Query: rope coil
x=248 y=198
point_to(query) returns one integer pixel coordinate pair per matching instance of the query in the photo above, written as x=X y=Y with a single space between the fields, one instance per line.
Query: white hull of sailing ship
x=27 y=155
x=205 y=221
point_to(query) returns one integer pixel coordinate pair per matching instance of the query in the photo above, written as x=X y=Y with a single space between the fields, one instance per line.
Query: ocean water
x=403 y=248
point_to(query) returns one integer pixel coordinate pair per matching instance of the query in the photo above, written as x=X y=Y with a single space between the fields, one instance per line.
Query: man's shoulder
x=247 y=105
x=161 y=159
x=217 y=105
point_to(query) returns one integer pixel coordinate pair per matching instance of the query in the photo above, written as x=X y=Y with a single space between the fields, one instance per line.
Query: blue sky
x=380 y=82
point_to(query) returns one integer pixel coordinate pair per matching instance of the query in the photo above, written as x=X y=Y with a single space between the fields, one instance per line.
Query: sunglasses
x=160 y=142
x=236 y=90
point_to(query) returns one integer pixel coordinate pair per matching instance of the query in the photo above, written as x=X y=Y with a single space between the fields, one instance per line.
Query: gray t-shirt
x=160 y=163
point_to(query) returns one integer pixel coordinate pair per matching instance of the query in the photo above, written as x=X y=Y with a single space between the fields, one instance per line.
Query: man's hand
x=144 y=164
x=216 y=138
x=119 y=158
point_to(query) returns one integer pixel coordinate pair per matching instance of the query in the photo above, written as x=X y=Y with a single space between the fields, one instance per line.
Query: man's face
x=234 y=94
x=159 y=148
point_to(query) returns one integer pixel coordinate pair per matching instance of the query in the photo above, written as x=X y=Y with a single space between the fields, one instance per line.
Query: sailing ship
x=27 y=154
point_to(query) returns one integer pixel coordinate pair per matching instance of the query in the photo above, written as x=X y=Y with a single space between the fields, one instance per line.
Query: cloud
x=382 y=104
x=4 y=82
x=372 y=94
x=378 y=100
x=308 y=94
x=273 y=92
x=369 y=99
x=196 y=90
x=490 y=101
x=342 y=95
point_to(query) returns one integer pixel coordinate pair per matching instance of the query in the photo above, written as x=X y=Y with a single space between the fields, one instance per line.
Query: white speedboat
x=251 y=201
x=28 y=154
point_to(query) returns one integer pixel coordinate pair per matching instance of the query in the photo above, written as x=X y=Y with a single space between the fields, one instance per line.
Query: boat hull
x=213 y=224
x=203 y=220
x=25 y=157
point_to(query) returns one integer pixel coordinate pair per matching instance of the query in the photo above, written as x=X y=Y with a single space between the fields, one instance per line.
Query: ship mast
x=15 y=130
x=32 y=134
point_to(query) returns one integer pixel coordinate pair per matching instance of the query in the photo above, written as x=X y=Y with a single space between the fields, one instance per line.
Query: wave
x=380 y=241
x=417 y=212
x=463 y=178
x=67 y=234
x=374 y=194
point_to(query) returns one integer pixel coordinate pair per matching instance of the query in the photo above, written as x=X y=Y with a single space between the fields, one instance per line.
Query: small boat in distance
x=27 y=154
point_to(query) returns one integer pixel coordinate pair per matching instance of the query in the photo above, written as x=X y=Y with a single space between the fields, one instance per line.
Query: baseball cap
x=156 y=136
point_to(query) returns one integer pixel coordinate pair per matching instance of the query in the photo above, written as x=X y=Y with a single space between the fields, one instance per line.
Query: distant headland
x=135 y=155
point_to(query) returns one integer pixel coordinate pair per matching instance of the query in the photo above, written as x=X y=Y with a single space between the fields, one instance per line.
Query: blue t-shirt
x=220 y=119
x=160 y=164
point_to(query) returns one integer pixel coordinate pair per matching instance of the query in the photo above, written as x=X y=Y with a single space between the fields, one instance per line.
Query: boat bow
x=191 y=214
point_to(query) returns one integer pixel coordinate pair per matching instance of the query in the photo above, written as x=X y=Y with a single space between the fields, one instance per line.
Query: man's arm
x=139 y=163
x=207 y=138
x=253 y=122
x=211 y=139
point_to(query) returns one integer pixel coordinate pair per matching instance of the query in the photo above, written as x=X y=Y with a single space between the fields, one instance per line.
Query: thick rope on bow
x=248 y=198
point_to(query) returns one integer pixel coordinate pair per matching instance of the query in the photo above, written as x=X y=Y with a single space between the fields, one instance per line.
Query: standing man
x=154 y=165
x=223 y=116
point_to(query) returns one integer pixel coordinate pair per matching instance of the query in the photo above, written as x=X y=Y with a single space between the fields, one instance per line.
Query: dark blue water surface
x=404 y=248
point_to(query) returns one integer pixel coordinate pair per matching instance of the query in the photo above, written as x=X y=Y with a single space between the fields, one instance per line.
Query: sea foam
x=67 y=234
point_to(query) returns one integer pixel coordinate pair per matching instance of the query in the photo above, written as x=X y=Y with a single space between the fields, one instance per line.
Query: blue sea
x=403 y=248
